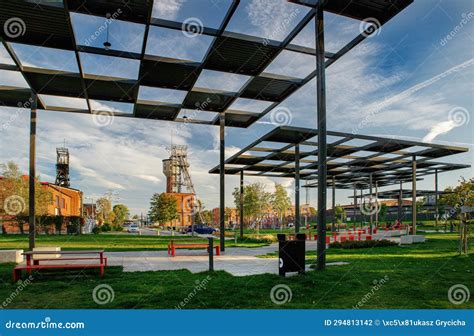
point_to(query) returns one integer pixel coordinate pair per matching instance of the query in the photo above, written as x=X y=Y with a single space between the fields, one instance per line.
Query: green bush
x=96 y=230
x=359 y=244
x=106 y=227
x=258 y=239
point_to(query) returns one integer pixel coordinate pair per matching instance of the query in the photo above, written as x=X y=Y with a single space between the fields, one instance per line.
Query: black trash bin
x=291 y=254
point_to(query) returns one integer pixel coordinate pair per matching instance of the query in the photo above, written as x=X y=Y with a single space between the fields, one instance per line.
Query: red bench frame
x=172 y=247
x=32 y=264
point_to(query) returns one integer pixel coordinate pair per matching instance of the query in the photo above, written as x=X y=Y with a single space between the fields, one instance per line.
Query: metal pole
x=355 y=205
x=361 y=213
x=413 y=194
x=31 y=199
x=322 y=136
x=371 y=217
x=222 y=180
x=376 y=203
x=333 y=227
x=400 y=202
x=241 y=204
x=297 y=188
x=436 y=198
x=211 y=253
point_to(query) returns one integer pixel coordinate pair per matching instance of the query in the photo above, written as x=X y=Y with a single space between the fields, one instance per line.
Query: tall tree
x=280 y=202
x=121 y=214
x=104 y=210
x=163 y=208
x=256 y=201
x=14 y=193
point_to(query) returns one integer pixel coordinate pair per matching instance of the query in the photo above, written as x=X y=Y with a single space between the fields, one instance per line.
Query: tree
x=104 y=210
x=280 y=202
x=163 y=208
x=121 y=213
x=14 y=194
x=256 y=201
x=340 y=214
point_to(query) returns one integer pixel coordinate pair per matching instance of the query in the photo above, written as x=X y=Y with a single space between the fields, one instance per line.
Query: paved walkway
x=239 y=261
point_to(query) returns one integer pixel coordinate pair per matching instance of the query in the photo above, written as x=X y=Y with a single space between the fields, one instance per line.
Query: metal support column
x=436 y=198
x=222 y=180
x=413 y=194
x=354 y=219
x=31 y=198
x=241 y=215
x=371 y=213
x=297 y=189
x=322 y=135
x=333 y=226
x=400 y=202
x=376 y=203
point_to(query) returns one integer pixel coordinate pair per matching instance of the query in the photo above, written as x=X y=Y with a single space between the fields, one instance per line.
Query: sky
x=409 y=80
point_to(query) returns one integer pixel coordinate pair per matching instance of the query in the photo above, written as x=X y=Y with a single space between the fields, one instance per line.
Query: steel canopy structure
x=48 y=24
x=353 y=162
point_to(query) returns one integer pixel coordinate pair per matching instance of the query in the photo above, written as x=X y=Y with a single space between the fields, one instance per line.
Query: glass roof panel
x=4 y=57
x=272 y=20
x=12 y=78
x=338 y=31
x=176 y=44
x=46 y=58
x=161 y=95
x=208 y=13
x=92 y=31
x=292 y=64
x=107 y=106
x=110 y=66
x=67 y=102
x=221 y=81
x=249 y=105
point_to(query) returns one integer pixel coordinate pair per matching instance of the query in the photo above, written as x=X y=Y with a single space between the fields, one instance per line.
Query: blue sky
x=402 y=82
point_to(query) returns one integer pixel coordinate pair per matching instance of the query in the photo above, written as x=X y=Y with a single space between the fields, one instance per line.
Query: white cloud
x=438 y=129
x=167 y=8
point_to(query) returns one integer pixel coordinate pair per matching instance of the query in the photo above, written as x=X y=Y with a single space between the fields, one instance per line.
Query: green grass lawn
x=108 y=242
x=417 y=276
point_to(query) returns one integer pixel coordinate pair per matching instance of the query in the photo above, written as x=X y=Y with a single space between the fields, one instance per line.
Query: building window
x=57 y=201
x=63 y=203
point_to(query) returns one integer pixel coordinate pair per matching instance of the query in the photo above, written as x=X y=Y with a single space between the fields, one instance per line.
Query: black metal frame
x=49 y=25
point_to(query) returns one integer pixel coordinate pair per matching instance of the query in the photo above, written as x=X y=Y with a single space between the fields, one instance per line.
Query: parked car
x=201 y=229
x=133 y=228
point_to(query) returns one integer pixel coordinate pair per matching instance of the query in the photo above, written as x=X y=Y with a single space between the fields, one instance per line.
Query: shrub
x=105 y=227
x=359 y=244
x=258 y=239
x=96 y=230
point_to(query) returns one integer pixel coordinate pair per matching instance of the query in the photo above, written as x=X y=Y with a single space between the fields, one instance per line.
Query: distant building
x=185 y=204
x=66 y=202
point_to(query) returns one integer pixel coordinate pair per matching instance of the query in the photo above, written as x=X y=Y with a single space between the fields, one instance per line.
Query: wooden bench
x=172 y=246
x=34 y=264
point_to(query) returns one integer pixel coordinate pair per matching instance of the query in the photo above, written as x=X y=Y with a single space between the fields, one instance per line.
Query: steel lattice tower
x=62 y=167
